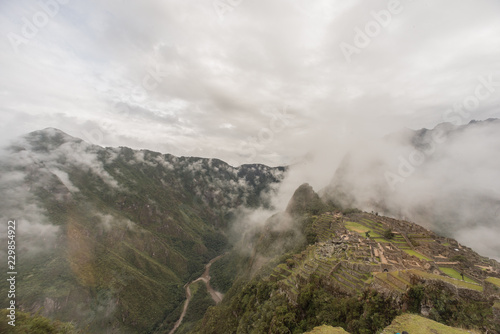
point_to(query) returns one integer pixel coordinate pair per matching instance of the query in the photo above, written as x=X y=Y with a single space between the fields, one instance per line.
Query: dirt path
x=381 y=253
x=205 y=277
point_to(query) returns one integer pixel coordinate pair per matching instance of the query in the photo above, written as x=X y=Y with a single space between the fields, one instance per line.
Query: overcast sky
x=244 y=80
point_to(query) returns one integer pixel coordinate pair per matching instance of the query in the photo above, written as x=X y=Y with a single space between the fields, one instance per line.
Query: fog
x=258 y=81
x=315 y=86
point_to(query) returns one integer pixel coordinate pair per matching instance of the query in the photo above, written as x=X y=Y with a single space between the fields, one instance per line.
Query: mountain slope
x=410 y=323
x=357 y=271
x=108 y=236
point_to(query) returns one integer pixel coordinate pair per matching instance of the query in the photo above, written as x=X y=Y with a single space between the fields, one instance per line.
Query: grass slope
x=415 y=324
x=327 y=330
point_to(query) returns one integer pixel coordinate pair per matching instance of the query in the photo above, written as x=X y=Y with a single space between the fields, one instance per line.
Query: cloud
x=167 y=76
x=33 y=230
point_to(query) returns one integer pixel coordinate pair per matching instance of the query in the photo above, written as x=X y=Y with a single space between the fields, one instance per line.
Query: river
x=205 y=277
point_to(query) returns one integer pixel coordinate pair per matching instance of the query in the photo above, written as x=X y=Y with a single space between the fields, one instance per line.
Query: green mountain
x=356 y=271
x=107 y=237
x=115 y=240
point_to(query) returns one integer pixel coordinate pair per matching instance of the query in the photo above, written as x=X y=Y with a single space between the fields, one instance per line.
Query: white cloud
x=172 y=77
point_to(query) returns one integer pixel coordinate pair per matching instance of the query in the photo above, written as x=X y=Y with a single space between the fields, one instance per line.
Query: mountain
x=359 y=272
x=445 y=179
x=107 y=237
x=115 y=240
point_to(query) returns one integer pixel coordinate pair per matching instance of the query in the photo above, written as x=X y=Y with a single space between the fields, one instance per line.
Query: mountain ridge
x=99 y=225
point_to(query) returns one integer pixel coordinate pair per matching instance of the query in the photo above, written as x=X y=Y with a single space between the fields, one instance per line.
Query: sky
x=274 y=82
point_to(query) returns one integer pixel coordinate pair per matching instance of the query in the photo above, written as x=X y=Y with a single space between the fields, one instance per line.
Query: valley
x=205 y=278
x=112 y=235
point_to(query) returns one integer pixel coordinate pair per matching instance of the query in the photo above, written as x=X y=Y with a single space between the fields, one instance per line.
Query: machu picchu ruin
x=394 y=257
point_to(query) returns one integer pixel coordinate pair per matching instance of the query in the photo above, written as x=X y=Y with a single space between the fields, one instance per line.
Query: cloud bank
x=203 y=79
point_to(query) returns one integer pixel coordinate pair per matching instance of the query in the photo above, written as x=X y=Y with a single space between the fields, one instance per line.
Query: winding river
x=205 y=277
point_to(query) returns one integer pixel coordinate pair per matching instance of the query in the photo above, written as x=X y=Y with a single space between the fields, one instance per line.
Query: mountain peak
x=303 y=198
x=48 y=139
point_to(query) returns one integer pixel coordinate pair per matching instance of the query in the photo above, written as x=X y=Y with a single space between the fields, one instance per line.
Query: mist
x=445 y=179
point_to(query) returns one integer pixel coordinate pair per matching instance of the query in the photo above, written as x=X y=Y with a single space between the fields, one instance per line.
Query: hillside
x=409 y=322
x=107 y=237
x=358 y=271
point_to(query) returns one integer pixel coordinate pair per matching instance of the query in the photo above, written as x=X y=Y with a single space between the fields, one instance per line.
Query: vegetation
x=449 y=309
x=34 y=324
x=388 y=234
x=349 y=211
x=361 y=229
x=258 y=308
x=223 y=272
x=457 y=282
x=327 y=330
x=455 y=274
x=199 y=304
x=417 y=254
x=494 y=280
x=131 y=229
x=415 y=324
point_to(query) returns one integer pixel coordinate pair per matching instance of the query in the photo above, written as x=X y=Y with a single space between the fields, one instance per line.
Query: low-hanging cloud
x=174 y=77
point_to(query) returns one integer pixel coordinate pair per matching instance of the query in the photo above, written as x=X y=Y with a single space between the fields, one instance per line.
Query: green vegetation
x=139 y=226
x=361 y=229
x=199 y=304
x=256 y=307
x=327 y=330
x=457 y=282
x=388 y=234
x=417 y=254
x=456 y=274
x=381 y=240
x=34 y=324
x=223 y=271
x=349 y=211
x=305 y=200
x=415 y=324
x=494 y=280
x=450 y=309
